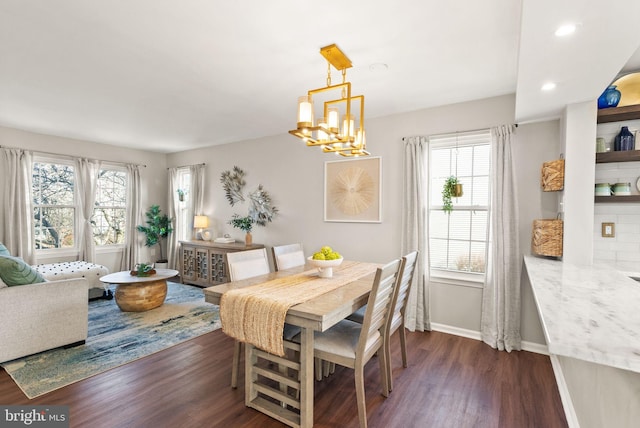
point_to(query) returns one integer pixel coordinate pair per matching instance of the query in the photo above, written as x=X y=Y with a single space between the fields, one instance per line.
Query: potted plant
x=452 y=188
x=245 y=224
x=181 y=194
x=158 y=227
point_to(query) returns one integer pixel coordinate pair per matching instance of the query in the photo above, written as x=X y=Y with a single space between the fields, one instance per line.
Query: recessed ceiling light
x=565 y=30
x=378 y=66
x=549 y=86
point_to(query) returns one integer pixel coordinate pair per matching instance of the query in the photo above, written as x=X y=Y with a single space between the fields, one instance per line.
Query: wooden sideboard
x=204 y=263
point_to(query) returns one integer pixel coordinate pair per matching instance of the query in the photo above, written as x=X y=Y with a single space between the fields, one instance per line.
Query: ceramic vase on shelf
x=609 y=98
x=248 y=239
x=625 y=140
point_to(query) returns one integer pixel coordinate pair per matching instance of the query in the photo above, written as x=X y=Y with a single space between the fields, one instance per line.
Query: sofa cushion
x=3 y=250
x=14 y=271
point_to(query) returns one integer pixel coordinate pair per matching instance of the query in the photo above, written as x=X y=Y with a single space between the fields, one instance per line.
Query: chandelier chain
x=328 y=74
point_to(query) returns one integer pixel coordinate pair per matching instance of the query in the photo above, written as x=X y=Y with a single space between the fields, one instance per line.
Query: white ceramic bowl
x=325 y=267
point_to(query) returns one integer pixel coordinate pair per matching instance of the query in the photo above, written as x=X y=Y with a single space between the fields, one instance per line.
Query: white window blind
x=458 y=240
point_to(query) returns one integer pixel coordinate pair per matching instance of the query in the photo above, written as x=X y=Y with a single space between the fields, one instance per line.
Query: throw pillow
x=14 y=271
x=3 y=250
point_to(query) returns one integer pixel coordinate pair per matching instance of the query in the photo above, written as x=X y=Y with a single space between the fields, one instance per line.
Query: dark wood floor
x=450 y=382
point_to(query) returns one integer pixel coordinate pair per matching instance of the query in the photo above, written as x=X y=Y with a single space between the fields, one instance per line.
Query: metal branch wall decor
x=261 y=210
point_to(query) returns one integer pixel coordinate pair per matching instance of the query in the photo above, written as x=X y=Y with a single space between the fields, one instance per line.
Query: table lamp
x=200 y=222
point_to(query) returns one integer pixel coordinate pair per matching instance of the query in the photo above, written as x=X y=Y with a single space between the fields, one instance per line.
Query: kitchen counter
x=588 y=312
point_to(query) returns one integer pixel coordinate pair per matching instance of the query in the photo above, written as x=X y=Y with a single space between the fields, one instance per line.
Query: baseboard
x=565 y=396
x=472 y=334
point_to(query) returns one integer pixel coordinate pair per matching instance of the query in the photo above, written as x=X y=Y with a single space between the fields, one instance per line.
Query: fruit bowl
x=325 y=267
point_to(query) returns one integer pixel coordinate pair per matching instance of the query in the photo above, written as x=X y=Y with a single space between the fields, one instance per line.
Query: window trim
x=66 y=251
x=115 y=247
x=463 y=139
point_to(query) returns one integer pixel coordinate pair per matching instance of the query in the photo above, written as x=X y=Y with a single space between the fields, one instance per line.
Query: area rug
x=116 y=338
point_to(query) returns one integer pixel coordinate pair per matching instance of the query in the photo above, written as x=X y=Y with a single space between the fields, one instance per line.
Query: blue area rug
x=116 y=338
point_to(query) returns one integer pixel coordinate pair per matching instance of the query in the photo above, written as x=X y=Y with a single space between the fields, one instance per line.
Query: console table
x=204 y=263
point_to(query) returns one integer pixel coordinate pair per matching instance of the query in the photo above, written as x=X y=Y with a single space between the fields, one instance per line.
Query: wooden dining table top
x=319 y=313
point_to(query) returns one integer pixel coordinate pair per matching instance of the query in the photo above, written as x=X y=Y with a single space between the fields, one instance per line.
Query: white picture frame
x=353 y=190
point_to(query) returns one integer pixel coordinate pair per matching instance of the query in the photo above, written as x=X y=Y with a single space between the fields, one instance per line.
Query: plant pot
x=248 y=239
x=458 y=191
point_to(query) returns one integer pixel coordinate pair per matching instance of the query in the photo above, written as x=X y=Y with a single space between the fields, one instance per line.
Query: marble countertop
x=588 y=312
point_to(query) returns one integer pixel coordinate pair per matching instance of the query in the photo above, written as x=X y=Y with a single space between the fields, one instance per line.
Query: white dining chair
x=397 y=316
x=288 y=256
x=243 y=265
x=351 y=344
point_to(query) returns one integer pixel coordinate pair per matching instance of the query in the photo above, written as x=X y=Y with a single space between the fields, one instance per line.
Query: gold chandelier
x=339 y=130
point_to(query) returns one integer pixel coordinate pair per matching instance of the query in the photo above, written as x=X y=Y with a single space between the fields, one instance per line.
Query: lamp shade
x=200 y=221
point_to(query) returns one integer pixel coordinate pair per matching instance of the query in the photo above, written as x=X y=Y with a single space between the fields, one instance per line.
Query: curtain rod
x=186 y=166
x=464 y=132
x=72 y=157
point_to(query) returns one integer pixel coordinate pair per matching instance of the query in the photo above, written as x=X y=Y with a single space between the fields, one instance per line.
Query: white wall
x=294 y=173
x=153 y=178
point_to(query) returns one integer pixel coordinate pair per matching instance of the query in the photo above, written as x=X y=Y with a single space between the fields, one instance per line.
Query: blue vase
x=625 y=140
x=609 y=98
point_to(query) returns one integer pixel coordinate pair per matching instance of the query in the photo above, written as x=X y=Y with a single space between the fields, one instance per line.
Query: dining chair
x=397 y=316
x=287 y=256
x=243 y=265
x=351 y=344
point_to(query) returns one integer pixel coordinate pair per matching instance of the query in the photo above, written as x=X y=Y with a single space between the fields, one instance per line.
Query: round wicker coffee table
x=140 y=293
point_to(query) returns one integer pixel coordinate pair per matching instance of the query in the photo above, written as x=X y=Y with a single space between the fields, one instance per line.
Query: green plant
x=181 y=194
x=243 y=223
x=449 y=191
x=144 y=269
x=158 y=227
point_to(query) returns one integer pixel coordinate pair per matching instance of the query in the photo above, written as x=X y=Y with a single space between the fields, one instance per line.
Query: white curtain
x=131 y=249
x=195 y=206
x=415 y=229
x=197 y=188
x=500 y=322
x=16 y=217
x=174 y=212
x=86 y=185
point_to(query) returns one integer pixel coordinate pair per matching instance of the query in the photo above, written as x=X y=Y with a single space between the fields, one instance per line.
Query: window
x=184 y=220
x=54 y=205
x=109 y=215
x=458 y=240
x=56 y=209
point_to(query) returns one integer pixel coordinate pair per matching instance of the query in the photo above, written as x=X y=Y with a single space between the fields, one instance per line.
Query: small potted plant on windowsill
x=245 y=224
x=452 y=188
x=181 y=194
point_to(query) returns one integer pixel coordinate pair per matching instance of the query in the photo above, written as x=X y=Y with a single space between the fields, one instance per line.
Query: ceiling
x=169 y=76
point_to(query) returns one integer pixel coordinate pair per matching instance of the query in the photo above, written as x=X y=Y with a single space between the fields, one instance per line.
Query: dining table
x=319 y=313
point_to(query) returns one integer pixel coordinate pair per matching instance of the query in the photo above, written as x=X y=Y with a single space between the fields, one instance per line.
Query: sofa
x=42 y=316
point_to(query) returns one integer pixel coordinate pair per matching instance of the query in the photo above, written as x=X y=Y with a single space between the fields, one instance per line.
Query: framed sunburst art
x=352 y=190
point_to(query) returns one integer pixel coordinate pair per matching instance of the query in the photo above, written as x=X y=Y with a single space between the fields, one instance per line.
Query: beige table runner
x=256 y=314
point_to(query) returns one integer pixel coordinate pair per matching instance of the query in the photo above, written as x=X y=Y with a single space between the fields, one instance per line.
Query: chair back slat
x=247 y=264
x=379 y=304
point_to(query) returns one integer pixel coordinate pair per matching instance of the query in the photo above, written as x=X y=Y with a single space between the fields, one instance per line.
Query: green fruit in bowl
x=319 y=256
x=326 y=250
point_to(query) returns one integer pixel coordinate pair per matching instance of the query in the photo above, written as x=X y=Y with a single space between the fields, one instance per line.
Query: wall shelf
x=625 y=156
x=618 y=114
x=617 y=199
